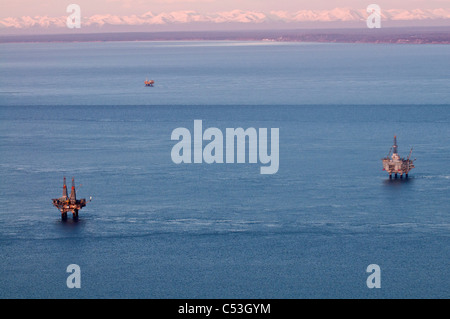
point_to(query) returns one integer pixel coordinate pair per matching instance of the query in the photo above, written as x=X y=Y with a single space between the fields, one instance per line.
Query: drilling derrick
x=397 y=165
x=73 y=194
x=64 y=195
x=66 y=203
x=395 y=147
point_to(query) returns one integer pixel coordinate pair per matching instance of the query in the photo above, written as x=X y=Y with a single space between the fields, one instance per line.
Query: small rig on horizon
x=66 y=203
x=395 y=164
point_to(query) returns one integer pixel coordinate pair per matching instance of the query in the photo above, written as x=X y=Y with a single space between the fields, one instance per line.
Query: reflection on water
x=399 y=181
x=70 y=227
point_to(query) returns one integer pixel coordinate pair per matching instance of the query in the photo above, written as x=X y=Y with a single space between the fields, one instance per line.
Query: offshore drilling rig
x=66 y=203
x=395 y=164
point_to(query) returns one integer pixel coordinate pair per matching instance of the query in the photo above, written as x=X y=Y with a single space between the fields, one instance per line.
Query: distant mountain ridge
x=234 y=16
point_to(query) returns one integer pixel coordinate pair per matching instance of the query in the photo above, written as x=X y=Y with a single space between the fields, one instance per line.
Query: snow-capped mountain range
x=235 y=16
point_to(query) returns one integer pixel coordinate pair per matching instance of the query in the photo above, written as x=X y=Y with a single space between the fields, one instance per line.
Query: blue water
x=155 y=229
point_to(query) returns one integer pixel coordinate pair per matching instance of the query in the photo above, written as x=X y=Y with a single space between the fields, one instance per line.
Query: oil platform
x=66 y=203
x=397 y=165
x=148 y=82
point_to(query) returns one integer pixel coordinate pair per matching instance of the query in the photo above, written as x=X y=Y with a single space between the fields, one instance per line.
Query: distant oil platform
x=149 y=82
x=397 y=165
x=66 y=203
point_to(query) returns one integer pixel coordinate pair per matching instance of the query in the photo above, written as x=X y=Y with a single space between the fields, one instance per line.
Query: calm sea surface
x=155 y=229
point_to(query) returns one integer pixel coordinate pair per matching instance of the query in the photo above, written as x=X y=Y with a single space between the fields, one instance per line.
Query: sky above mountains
x=54 y=8
x=52 y=15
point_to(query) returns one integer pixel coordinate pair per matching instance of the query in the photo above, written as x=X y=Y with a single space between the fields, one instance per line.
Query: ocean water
x=155 y=229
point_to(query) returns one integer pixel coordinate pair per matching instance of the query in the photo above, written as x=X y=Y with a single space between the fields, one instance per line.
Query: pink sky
x=55 y=8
